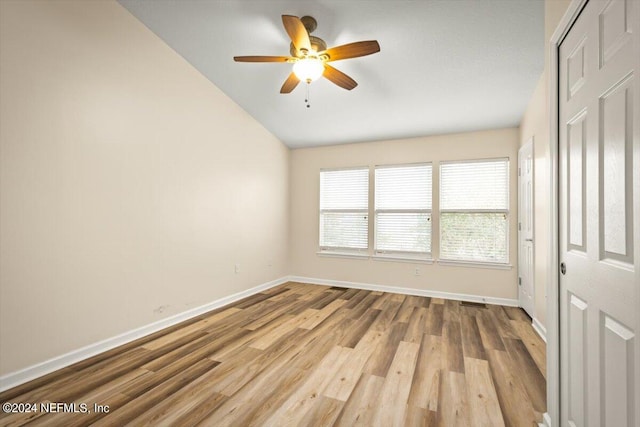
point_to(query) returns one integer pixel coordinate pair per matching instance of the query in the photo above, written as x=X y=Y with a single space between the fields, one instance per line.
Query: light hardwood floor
x=307 y=355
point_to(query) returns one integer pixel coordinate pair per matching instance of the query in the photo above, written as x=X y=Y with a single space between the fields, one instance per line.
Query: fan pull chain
x=307 y=99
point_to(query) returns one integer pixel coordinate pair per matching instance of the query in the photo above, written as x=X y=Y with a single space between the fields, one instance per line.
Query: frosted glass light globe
x=308 y=69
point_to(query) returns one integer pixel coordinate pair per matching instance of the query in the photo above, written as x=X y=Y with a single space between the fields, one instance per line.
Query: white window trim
x=337 y=251
x=340 y=249
x=476 y=160
x=470 y=263
x=402 y=257
x=347 y=168
x=406 y=256
x=332 y=253
x=472 y=211
x=476 y=264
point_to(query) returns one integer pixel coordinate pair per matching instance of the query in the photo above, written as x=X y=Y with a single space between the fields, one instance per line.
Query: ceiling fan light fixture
x=308 y=69
x=310 y=56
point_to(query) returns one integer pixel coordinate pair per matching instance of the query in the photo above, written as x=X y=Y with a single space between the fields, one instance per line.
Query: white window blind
x=474 y=211
x=344 y=209
x=403 y=209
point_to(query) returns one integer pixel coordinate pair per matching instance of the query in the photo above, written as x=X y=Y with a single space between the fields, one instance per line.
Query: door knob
x=563 y=268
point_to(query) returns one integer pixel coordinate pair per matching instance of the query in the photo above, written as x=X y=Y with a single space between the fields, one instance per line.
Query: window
x=474 y=211
x=344 y=209
x=403 y=209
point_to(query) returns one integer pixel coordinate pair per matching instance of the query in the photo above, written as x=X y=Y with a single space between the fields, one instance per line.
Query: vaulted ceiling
x=444 y=66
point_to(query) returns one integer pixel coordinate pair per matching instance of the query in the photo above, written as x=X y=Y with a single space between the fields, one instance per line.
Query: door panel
x=614 y=28
x=617 y=373
x=599 y=145
x=615 y=152
x=576 y=185
x=577 y=354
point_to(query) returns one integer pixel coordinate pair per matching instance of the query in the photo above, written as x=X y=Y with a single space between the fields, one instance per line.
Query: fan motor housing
x=317 y=44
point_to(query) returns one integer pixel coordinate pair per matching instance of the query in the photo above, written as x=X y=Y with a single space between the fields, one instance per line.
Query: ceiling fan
x=310 y=56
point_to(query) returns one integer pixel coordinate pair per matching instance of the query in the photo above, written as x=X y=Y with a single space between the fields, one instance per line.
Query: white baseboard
x=407 y=291
x=539 y=328
x=546 y=420
x=14 y=379
x=22 y=376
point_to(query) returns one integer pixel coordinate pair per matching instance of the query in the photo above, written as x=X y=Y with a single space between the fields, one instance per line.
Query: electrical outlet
x=237 y=268
x=160 y=309
x=417 y=272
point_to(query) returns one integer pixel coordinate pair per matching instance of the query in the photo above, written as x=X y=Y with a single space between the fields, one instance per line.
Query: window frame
x=340 y=250
x=505 y=212
x=399 y=254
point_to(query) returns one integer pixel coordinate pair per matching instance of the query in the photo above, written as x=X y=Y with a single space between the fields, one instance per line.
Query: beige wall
x=305 y=168
x=130 y=185
x=535 y=124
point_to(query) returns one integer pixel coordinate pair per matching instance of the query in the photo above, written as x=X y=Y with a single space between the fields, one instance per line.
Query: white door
x=599 y=224
x=525 y=227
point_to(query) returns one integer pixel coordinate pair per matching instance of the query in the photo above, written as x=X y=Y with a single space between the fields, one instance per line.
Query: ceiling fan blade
x=298 y=34
x=352 y=50
x=338 y=77
x=290 y=84
x=261 y=58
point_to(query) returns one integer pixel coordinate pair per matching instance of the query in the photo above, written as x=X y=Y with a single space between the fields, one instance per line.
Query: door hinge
x=519 y=281
x=519 y=226
x=519 y=172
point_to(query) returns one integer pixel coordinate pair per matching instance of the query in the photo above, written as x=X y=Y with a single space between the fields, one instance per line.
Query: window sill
x=402 y=258
x=473 y=264
x=338 y=254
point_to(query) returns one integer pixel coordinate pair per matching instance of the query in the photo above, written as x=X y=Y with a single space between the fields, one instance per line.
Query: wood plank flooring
x=307 y=355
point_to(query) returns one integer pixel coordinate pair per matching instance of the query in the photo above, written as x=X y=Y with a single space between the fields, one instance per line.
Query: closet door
x=599 y=222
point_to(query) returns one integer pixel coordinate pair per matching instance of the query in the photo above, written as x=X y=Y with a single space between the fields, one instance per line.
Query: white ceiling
x=444 y=66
